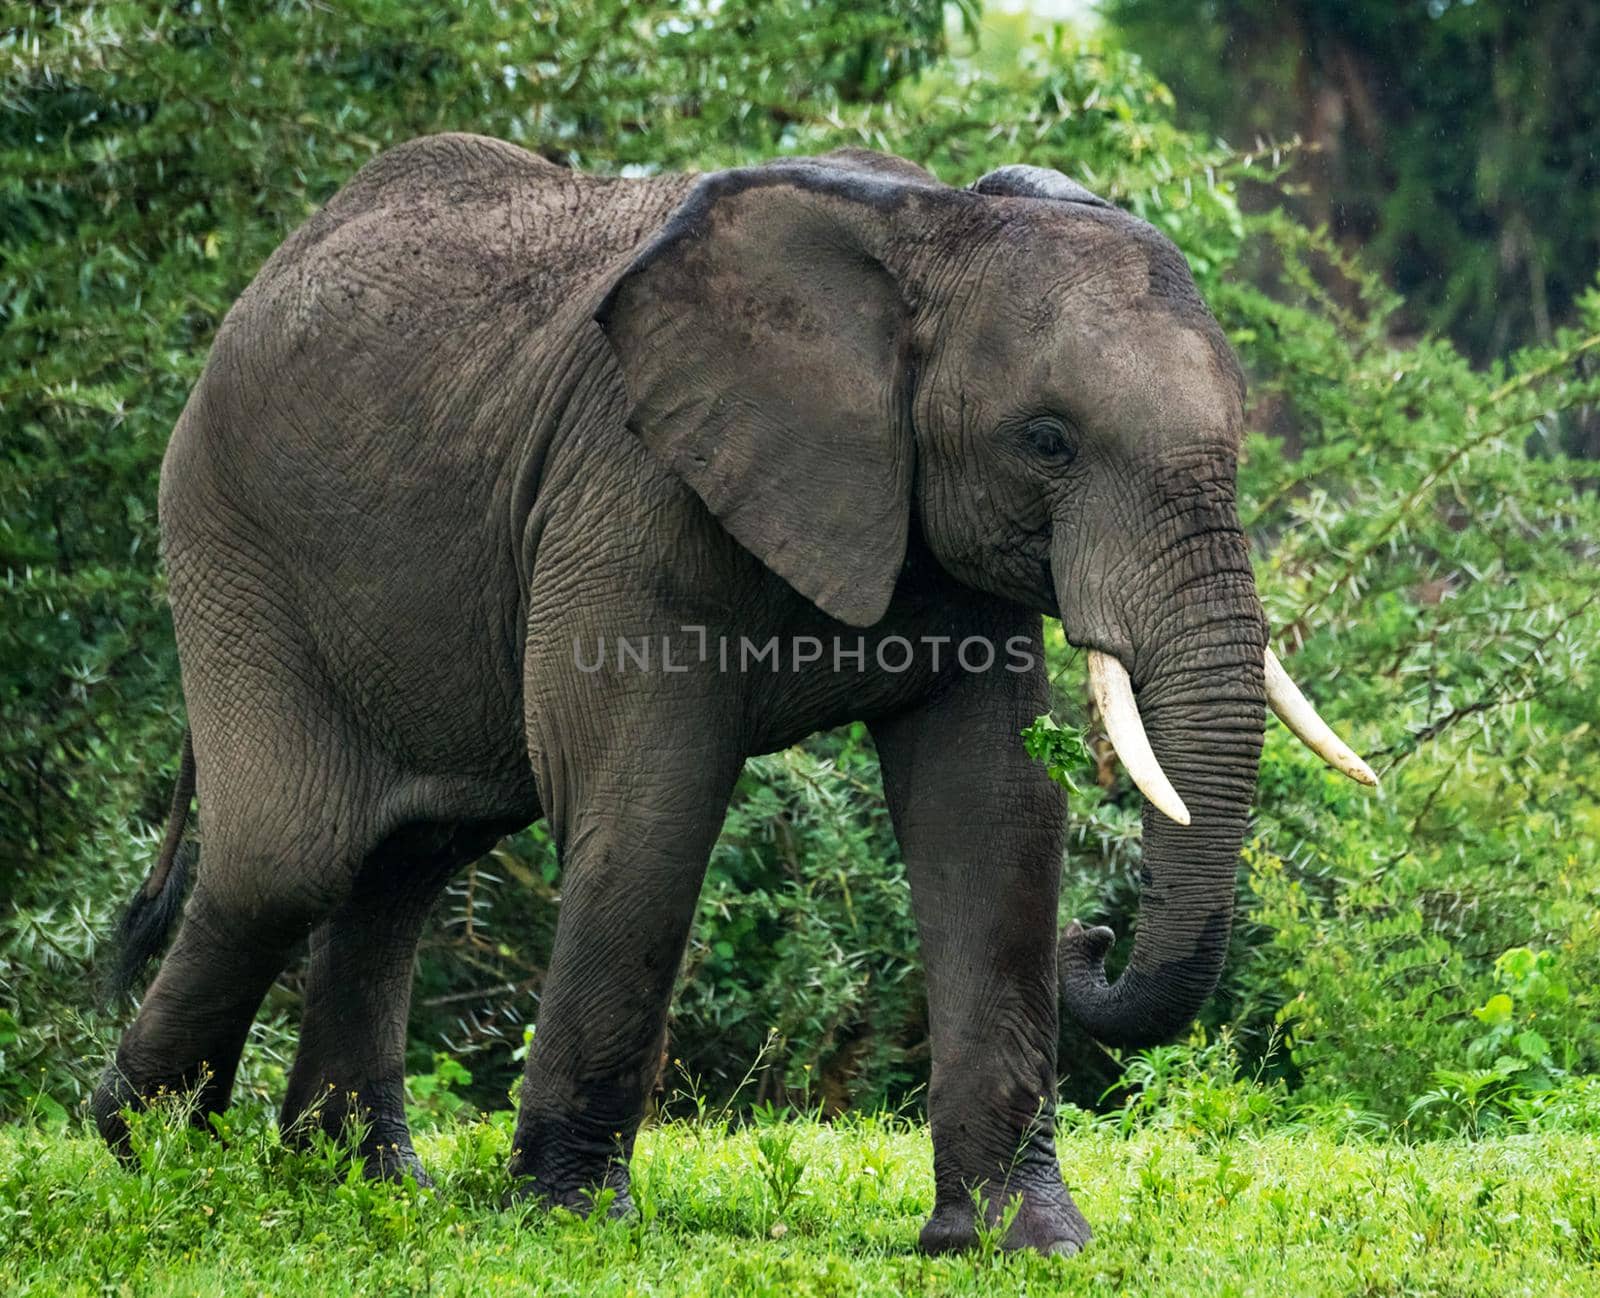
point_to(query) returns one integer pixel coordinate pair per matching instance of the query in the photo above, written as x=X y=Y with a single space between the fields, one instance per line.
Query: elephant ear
x=1035 y=182
x=765 y=351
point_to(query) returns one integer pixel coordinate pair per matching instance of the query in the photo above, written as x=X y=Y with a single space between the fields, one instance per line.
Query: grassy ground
x=803 y=1209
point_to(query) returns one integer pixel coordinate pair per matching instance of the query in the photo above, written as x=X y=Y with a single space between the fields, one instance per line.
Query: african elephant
x=481 y=412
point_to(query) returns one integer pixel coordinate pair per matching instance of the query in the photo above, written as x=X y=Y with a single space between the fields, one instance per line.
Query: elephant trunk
x=1200 y=695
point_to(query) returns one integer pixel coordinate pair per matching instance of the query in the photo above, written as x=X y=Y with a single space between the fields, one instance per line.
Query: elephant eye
x=1049 y=438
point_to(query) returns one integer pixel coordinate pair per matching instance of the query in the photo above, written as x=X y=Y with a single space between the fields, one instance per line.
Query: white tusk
x=1296 y=712
x=1113 y=695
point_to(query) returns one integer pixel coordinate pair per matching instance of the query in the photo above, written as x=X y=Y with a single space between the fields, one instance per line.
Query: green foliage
x=1199 y=1088
x=781 y=1169
x=1513 y=1071
x=991 y=1235
x=1062 y=750
x=1279 y=1211
x=434 y=1098
x=1428 y=554
x=804 y=928
x=1454 y=141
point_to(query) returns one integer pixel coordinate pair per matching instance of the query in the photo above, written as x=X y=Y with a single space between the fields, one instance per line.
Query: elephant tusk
x=1296 y=712
x=1113 y=695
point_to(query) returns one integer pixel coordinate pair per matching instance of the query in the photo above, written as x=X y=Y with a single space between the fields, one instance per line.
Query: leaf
x=1531 y=1046
x=1062 y=750
x=1496 y=1011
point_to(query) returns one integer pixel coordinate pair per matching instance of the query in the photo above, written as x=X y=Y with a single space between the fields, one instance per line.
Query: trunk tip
x=1086 y=947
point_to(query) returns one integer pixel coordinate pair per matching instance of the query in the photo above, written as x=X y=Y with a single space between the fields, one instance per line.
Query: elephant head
x=831 y=352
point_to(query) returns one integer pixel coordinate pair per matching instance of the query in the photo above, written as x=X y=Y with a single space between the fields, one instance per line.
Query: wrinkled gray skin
x=480 y=406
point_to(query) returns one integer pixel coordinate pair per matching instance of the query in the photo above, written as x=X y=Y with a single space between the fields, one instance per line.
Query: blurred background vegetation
x=1394 y=209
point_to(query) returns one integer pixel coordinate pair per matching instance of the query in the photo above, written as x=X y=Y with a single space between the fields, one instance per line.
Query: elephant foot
x=579 y=1201
x=116 y=1094
x=388 y=1160
x=1047 y=1222
x=551 y=1173
x=112 y=1096
x=378 y=1137
x=393 y=1161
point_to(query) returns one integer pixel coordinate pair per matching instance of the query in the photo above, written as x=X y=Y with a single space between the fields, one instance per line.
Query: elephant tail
x=149 y=917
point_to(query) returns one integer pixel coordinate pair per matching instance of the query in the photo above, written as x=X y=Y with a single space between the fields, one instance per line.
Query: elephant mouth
x=1119 y=711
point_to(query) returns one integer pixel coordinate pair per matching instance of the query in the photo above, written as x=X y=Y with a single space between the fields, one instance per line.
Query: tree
x=1456 y=143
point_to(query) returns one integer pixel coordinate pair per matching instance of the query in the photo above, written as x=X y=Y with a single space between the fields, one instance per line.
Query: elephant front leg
x=634 y=830
x=981 y=829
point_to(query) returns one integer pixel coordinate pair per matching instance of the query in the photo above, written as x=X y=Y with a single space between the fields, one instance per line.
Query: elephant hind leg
x=196 y=1014
x=350 y=1066
x=281 y=843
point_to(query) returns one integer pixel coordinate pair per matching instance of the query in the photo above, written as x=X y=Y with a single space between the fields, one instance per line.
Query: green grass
x=1287 y=1212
